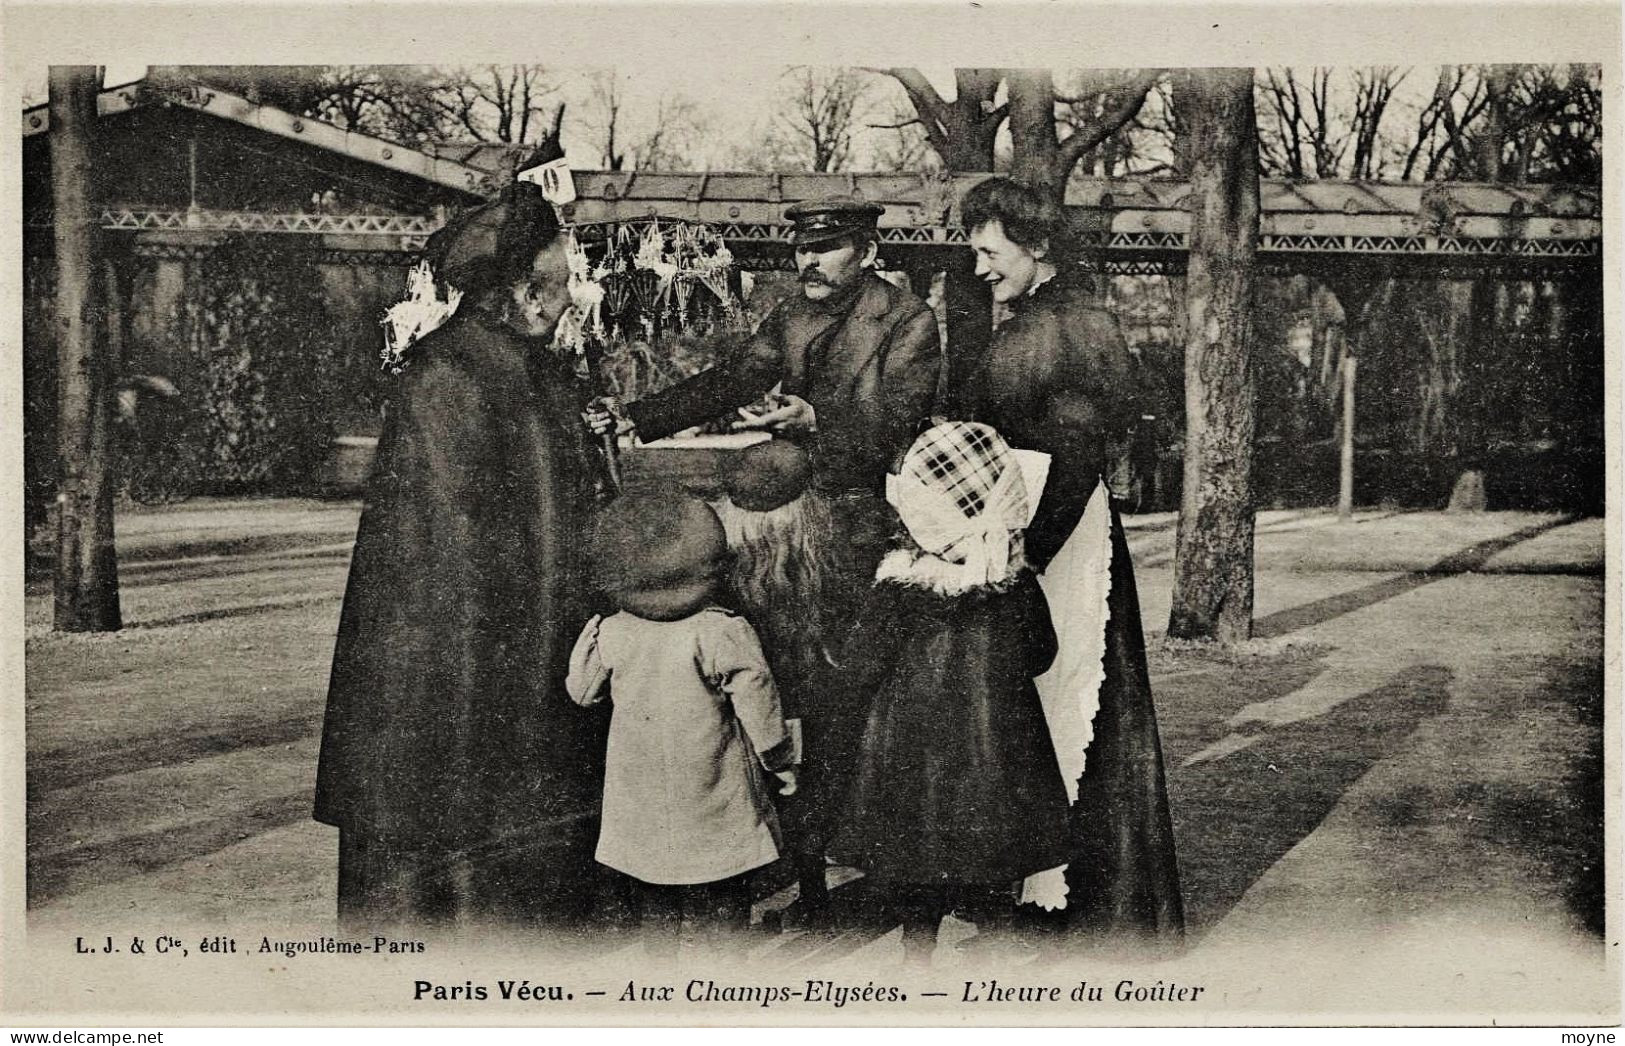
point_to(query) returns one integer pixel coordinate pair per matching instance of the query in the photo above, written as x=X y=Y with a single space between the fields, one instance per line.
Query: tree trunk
x=1491 y=140
x=963 y=132
x=1358 y=294
x=1469 y=493
x=1213 y=567
x=86 y=571
x=1036 y=156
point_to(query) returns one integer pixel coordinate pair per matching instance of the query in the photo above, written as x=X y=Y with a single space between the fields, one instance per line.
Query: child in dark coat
x=956 y=789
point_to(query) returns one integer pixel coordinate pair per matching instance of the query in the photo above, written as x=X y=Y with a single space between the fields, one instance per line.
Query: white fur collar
x=935 y=574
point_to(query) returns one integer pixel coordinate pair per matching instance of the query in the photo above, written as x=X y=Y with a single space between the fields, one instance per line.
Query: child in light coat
x=687 y=813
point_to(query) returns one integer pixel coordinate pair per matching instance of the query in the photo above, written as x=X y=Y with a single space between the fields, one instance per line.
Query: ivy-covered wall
x=272 y=350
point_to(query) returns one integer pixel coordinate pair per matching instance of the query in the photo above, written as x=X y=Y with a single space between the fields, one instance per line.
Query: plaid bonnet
x=961 y=494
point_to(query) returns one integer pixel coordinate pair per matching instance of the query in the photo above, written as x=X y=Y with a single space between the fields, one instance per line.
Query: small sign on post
x=557 y=184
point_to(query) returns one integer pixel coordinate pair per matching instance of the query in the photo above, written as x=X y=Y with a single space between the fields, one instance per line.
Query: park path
x=1411 y=734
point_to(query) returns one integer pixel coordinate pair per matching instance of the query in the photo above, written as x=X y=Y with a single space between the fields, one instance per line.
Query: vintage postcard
x=738 y=514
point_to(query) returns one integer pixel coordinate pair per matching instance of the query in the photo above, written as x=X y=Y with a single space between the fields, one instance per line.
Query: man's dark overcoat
x=868 y=363
x=1056 y=378
x=461 y=777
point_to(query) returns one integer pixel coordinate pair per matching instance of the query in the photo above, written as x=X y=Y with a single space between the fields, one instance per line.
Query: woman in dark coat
x=1055 y=379
x=462 y=781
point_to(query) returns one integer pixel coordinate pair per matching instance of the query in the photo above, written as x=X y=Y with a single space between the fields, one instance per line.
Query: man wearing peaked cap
x=856 y=360
x=832 y=218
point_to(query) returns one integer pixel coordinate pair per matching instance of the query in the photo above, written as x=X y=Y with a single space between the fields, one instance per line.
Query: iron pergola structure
x=1125 y=227
x=1139 y=226
x=1129 y=225
x=227 y=166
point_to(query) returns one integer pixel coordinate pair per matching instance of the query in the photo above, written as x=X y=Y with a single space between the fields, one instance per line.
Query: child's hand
x=787 y=781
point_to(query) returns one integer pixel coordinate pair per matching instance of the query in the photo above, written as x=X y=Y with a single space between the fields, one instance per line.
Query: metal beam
x=1135 y=240
x=278 y=122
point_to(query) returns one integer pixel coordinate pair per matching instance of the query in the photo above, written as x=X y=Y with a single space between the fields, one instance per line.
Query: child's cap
x=768 y=475
x=960 y=493
x=658 y=556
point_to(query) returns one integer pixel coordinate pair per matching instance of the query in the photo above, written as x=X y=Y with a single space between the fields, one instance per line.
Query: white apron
x=1076 y=584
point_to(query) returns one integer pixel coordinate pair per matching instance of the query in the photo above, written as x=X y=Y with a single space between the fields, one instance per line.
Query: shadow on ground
x=1236 y=816
x=1469 y=559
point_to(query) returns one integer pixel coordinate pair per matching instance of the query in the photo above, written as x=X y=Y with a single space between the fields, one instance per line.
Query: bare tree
x=503 y=103
x=1325 y=123
x=1298 y=139
x=1104 y=109
x=962 y=131
x=1051 y=133
x=1455 y=151
x=1213 y=567
x=822 y=109
x=1520 y=123
x=1428 y=143
x=603 y=119
x=677 y=131
x=1103 y=105
x=764 y=148
x=665 y=141
x=402 y=103
x=87 y=596
x=1554 y=124
x=1161 y=143
x=391 y=101
x=1374 y=89
x=903 y=144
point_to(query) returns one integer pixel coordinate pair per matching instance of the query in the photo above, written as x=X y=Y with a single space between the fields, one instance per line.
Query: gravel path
x=1415 y=736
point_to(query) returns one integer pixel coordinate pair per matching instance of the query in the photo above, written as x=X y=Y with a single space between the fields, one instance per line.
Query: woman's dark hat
x=830 y=218
x=495 y=242
x=768 y=475
x=659 y=556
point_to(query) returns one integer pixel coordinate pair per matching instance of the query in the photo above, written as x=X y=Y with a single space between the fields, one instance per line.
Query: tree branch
x=919 y=89
x=928 y=103
x=1115 y=116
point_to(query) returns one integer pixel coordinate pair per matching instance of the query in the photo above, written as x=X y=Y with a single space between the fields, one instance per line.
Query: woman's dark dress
x=956 y=780
x=1056 y=379
x=462 y=780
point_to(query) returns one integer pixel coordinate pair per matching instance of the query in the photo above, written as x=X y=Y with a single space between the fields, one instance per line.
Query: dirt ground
x=1414 y=735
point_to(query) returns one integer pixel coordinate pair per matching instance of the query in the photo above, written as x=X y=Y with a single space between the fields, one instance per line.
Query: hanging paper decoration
x=648 y=289
x=685 y=290
x=633 y=289
x=632 y=300
x=617 y=294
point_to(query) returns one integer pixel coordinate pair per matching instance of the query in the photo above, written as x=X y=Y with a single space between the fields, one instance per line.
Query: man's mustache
x=813 y=276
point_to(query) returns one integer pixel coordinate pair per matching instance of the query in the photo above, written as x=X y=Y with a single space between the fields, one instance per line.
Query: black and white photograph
x=693 y=533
